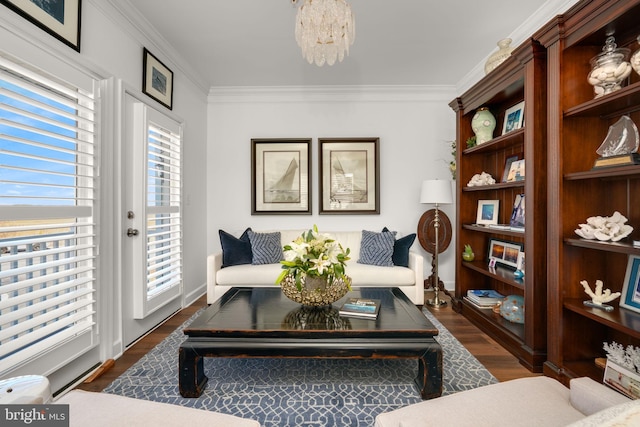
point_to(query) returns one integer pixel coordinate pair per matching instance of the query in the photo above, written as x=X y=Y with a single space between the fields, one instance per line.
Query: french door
x=152 y=235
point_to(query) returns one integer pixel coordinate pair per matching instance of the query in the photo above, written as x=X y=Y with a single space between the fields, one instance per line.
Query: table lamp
x=434 y=229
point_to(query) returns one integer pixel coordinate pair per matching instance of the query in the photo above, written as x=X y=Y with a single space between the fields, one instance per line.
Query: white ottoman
x=25 y=390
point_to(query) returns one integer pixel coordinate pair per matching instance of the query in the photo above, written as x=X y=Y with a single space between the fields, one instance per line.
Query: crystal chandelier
x=324 y=30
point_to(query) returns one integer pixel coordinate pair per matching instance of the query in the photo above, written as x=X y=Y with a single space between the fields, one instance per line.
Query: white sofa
x=108 y=410
x=409 y=279
x=533 y=401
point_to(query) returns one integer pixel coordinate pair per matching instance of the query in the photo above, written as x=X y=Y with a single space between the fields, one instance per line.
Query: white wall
x=414 y=125
x=112 y=42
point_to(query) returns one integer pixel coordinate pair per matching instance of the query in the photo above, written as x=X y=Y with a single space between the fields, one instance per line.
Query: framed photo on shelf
x=349 y=175
x=59 y=18
x=157 y=79
x=516 y=171
x=507 y=164
x=505 y=253
x=513 y=118
x=281 y=176
x=517 y=215
x=630 y=298
x=487 y=212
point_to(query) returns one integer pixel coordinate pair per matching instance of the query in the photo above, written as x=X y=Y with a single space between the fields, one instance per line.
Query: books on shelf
x=484 y=297
x=478 y=306
x=360 y=307
x=508 y=227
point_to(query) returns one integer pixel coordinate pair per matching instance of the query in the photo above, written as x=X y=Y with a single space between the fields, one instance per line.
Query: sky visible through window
x=37 y=151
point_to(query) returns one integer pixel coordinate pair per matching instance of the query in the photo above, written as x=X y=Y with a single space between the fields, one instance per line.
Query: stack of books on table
x=484 y=298
x=360 y=307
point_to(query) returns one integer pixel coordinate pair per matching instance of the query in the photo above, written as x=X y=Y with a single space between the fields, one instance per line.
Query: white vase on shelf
x=499 y=56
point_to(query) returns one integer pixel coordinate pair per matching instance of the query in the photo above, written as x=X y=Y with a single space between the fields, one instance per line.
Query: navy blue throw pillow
x=235 y=251
x=401 y=249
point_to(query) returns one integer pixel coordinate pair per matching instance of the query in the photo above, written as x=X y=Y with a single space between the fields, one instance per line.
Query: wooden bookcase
x=522 y=77
x=577 y=125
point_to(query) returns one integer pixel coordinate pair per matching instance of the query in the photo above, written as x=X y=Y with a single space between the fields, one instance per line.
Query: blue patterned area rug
x=299 y=392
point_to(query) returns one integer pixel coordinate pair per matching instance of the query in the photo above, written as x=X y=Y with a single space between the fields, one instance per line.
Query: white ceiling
x=398 y=42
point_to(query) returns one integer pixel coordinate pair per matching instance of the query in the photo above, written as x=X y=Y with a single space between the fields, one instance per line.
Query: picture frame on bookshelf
x=487 y=213
x=631 y=287
x=517 y=215
x=516 y=171
x=505 y=253
x=507 y=164
x=513 y=118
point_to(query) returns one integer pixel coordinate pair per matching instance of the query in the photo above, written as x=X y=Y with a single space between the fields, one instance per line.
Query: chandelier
x=324 y=30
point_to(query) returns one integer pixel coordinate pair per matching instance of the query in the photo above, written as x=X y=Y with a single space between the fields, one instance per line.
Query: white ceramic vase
x=499 y=56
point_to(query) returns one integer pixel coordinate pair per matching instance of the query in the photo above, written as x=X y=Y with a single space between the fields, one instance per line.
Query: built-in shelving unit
x=577 y=126
x=522 y=77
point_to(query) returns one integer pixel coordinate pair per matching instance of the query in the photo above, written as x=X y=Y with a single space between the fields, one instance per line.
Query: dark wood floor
x=495 y=358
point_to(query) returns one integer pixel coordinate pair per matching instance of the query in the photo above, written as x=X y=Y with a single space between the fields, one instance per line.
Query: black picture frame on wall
x=281 y=176
x=157 y=79
x=349 y=175
x=59 y=18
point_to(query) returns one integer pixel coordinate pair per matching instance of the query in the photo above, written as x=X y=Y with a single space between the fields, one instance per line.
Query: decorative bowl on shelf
x=609 y=68
x=512 y=308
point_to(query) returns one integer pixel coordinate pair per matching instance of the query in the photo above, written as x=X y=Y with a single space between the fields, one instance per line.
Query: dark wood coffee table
x=262 y=322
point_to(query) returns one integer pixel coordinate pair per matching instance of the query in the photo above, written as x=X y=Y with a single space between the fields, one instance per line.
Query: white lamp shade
x=436 y=191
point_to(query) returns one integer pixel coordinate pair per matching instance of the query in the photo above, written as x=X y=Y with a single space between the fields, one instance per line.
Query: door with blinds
x=152 y=249
x=48 y=221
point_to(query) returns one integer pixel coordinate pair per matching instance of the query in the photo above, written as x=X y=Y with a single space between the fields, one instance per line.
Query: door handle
x=132 y=232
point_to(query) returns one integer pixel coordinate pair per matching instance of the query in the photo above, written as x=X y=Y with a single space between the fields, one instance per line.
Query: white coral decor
x=628 y=358
x=599 y=297
x=611 y=228
x=481 y=179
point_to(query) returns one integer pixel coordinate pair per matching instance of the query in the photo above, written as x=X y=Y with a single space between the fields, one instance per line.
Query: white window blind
x=163 y=227
x=47 y=225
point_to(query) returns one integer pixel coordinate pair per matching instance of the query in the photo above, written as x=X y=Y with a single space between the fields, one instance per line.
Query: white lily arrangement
x=316 y=255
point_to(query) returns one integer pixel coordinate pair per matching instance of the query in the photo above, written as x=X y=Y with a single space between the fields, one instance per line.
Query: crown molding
x=308 y=94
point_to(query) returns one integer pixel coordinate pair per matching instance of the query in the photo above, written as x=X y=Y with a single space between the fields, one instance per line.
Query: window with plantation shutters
x=160 y=266
x=47 y=218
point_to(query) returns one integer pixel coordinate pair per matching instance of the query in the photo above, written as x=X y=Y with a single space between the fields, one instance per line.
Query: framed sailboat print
x=280 y=176
x=349 y=175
